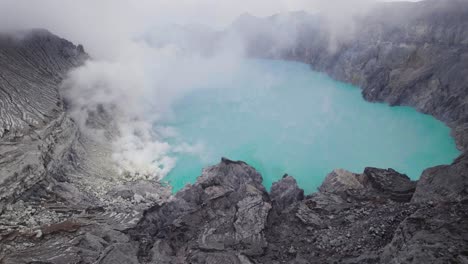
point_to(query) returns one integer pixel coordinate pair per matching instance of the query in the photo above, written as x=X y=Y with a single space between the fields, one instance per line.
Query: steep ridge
x=34 y=131
x=53 y=177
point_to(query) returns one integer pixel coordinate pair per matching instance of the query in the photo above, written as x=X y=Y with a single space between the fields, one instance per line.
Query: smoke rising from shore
x=147 y=54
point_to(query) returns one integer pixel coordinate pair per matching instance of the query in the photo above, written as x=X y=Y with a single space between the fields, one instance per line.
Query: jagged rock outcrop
x=388 y=184
x=221 y=218
x=285 y=192
x=444 y=183
x=228 y=217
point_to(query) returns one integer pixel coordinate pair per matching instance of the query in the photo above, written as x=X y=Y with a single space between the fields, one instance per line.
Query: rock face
x=54 y=180
x=285 y=192
x=59 y=203
x=444 y=183
x=35 y=134
x=228 y=217
x=221 y=218
x=387 y=183
x=400 y=53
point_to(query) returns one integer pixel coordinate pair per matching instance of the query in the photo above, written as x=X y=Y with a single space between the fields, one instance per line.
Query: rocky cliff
x=34 y=132
x=403 y=53
x=227 y=216
x=53 y=178
x=60 y=203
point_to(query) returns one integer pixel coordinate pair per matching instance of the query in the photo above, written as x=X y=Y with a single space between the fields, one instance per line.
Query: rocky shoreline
x=227 y=216
x=412 y=54
x=60 y=203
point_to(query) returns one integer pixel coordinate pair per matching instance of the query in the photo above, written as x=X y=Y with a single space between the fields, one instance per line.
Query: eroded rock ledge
x=227 y=216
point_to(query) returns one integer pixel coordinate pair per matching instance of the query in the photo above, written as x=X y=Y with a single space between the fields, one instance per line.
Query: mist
x=147 y=54
x=105 y=27
x=136 y=92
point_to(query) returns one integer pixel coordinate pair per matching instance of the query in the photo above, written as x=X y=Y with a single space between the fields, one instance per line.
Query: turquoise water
x=281 y=117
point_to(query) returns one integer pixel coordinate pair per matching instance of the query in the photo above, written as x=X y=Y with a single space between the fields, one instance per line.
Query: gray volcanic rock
x=388 y=184
x=35 y=134
x=32 y=66
x=341 y=180
x=432 y=234
x=285 y=192
x=411 y=54
x=54 y=180
x=219 y=218
x=350 y=223
x=60 y=203
x=444 y=183
x=228 y=217
x=225 y=217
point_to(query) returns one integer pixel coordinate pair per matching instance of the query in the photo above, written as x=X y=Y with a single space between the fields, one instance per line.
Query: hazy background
x=104 y=25
x=143 y=61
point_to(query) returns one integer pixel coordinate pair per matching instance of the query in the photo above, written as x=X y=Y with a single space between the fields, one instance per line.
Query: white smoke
x=141 y=66
x=136 y=91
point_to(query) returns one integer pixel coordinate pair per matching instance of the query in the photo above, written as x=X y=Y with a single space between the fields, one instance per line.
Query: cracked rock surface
x=227 y=216
x=54 y=180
